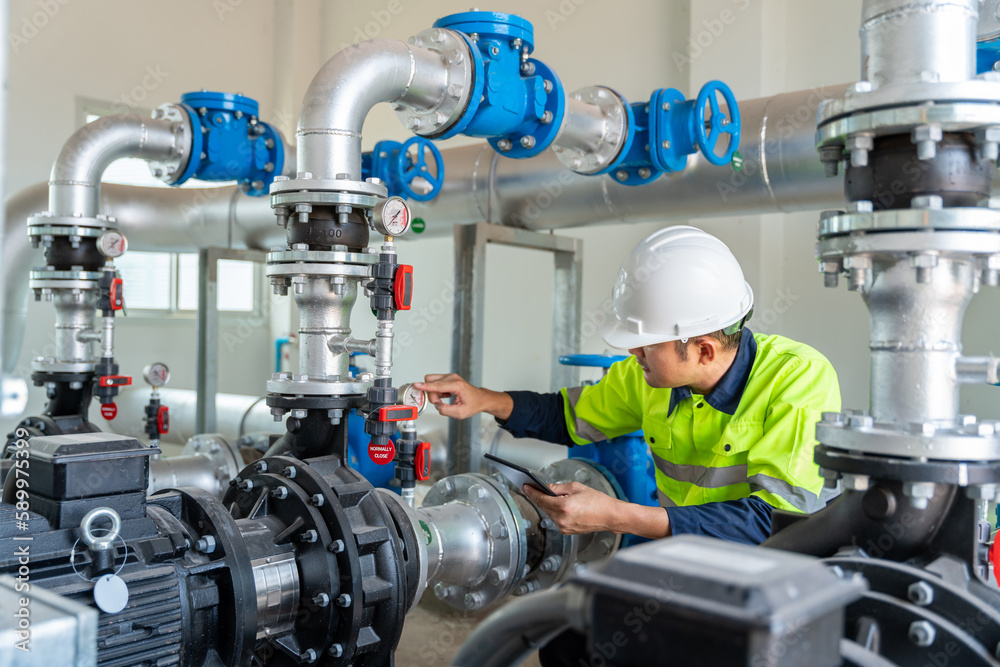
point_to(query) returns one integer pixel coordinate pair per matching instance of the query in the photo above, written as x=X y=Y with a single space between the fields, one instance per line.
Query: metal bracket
x=207 y=355
x=469 y=314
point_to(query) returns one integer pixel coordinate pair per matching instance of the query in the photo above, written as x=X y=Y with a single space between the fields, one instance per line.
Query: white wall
x=270 y=51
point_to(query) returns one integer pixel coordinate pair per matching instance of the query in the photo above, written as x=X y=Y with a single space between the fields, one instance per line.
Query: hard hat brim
x=617 y=336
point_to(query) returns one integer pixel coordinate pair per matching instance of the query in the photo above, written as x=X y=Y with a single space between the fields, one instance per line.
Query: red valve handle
x=163 y=419
x=402 y=287
x=115 y=380
x=422 y=462
x=117 y=294
x=397 y=413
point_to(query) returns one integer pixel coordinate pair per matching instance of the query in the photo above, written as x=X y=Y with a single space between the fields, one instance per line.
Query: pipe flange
x=321 y=256
x=950 y=117
x=858 y=432
x=306 y=185
x=855 y=466
x=504 y=530
x=860 y=96
x=908 y=242
x=44 y=274
x=45 y=220
x=50 y=365
x=407 y=520
x=40 y=231
x=560 y=551
x=614 y=110
x=299 y=385
x=227 y=460
x=291 y=199
x=599 y=545
x=170 y=171
x=320 y=271
x=457 y=56
x=834 y=223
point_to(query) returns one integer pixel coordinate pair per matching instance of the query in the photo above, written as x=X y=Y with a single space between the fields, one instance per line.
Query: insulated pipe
x=781 y=173
x=75 y=181
x=346 y=88
x=511 y=634
x=918 y=41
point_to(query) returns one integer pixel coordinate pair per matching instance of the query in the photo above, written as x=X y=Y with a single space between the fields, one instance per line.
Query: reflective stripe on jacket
x=702 y=453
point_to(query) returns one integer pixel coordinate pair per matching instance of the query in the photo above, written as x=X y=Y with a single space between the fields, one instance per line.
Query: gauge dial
x=112 y=244
x=410 y=395
x=392 y=217
x=156 y=374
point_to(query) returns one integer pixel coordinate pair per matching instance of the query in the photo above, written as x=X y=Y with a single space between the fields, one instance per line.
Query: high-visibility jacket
x=752 y=435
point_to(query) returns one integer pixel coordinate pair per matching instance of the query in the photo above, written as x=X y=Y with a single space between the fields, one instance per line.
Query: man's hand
x=581 y=509
x=467 y=400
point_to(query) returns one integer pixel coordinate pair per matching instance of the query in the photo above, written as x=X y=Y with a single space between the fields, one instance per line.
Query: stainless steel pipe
x=781 y=173
x=346 y=88
x=918 y=41
x=75 y=181
x=916 y=335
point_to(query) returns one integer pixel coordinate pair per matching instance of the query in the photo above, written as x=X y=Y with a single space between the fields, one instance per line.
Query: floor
x=433 y=633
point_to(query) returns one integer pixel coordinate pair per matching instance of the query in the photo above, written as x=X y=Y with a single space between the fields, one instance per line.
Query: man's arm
x=747 y=520
x=581 y=509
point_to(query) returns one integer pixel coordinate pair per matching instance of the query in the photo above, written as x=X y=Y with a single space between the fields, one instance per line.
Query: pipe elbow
x=361 y=76
x=75 y=179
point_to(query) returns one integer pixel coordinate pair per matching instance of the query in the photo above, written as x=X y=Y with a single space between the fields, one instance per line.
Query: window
x=161 y=283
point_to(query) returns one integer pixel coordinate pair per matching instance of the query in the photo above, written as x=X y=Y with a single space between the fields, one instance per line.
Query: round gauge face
x=395 y=216
x=112 y=244
x=157 y=374
x=410 y=395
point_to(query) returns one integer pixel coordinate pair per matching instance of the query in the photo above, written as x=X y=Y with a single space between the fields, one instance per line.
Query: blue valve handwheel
x=407 y=170
x=708 y=137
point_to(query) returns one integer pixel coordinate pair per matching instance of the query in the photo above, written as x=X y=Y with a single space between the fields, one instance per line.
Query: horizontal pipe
x=781 y=173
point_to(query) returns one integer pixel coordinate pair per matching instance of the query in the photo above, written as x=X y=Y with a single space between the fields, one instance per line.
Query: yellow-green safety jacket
x=752 y=435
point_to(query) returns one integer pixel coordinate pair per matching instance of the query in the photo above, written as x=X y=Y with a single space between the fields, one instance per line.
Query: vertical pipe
x=916 y=334
x=207 y=359
x=918 y=41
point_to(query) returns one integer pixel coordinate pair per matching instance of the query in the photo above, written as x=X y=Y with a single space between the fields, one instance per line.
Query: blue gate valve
x=398 y=166
x=680 y=127
x=517 y=102
x=228 y=142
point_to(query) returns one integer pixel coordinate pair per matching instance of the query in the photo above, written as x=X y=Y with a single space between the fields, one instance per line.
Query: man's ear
x=708 y=349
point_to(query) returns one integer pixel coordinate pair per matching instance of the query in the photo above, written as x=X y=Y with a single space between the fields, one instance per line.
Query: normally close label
x=381 y=454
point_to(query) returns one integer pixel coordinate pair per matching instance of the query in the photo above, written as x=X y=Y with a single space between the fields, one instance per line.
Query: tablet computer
x=519 y=475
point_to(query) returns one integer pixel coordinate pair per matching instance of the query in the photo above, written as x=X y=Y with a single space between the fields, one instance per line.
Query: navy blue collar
x=726 y=395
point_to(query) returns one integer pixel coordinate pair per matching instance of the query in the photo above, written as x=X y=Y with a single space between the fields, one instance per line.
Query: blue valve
x=229 y=143
x=398 y=165
x=517 y=102
x=707 y=132
x=409 y=168
x=680 y=127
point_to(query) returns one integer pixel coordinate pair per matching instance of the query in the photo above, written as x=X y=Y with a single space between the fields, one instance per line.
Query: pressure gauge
x=156 y=374
x=392 y=217
x=112 y=244
x=410 y=395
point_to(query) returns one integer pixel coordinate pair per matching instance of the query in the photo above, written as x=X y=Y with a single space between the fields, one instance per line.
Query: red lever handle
x=117 y=294
x=402 y=287
x=397 y=413
x=163 y=419
x=422 y=462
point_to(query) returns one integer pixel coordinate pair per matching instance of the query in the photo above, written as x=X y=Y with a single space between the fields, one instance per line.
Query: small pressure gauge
x=156 y=374
x=392 y=217
x=410 y=395
x=112 y=244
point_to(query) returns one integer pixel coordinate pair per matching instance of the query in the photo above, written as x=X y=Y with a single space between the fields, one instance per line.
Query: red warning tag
x=382 y=454
x=109 y=411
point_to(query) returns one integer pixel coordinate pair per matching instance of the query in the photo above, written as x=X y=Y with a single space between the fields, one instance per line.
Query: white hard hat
x=679 y=282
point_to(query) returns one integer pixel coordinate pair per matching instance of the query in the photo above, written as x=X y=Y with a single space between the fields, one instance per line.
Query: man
x=729 y=415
